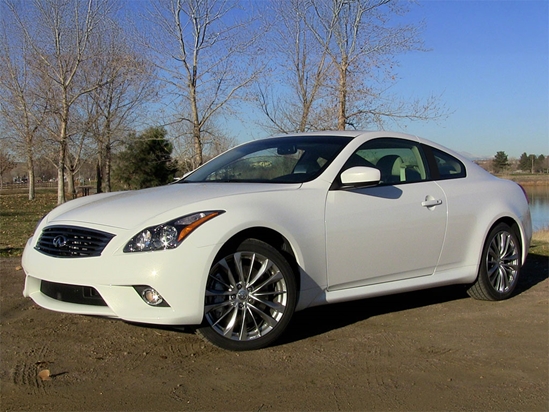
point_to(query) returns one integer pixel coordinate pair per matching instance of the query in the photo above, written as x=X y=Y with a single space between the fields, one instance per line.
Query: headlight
x=170 y=234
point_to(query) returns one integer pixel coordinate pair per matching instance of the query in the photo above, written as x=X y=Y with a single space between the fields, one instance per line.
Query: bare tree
x=81 y=144
x=293 y=108
x=6 y=164
x=363 y=43
x=344 y=80
x=128 y=83
x=214 y=142
x=204 y=50
x=22 y=109
x=59 y=34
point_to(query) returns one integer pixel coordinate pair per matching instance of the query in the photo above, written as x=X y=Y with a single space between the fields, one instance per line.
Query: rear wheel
x=250 y=297
x=500 y=265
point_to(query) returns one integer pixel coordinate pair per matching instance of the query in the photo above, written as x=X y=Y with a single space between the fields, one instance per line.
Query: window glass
x=448 y=166
x=261 y=165
x=291 y=159
x=399 y=161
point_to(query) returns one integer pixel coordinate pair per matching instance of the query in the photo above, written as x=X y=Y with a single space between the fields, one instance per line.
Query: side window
x=399 y=161
x=448 y=166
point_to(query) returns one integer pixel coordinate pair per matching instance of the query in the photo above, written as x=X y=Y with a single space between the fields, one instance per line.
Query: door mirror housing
x=360 y=176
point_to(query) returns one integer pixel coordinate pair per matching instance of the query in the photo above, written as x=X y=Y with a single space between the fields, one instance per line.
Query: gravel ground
x=429 y=350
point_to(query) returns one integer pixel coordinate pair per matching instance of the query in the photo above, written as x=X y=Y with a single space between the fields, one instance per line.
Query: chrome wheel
x=250 y=297
x=502 y=262
x=500 y=265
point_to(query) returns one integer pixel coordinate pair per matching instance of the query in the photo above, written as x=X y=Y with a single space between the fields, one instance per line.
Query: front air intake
x=82 y=295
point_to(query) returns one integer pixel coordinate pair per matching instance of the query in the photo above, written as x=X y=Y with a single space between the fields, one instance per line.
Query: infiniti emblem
x=59 y=241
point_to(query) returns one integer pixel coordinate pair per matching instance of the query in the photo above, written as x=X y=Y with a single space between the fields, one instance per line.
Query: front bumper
x=179 y=275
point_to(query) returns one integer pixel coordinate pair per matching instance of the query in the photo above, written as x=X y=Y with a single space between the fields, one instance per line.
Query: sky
x=489 y=60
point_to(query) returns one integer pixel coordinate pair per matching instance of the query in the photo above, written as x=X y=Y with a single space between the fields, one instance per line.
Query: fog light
x=150 y=296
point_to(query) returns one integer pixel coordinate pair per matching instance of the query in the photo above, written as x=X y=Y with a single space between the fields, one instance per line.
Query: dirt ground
x=430 y=350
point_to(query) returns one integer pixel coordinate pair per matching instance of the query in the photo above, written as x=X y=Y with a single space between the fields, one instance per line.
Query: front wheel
x=499 y=266
x=250 y=298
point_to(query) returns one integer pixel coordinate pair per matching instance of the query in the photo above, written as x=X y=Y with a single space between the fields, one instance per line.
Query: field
x=528 y=179
x=18 y=219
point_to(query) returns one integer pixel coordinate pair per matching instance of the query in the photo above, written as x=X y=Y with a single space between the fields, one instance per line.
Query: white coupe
x=278 y=225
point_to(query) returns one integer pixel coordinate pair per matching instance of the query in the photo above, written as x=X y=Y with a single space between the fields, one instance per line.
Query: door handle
x=431 y=202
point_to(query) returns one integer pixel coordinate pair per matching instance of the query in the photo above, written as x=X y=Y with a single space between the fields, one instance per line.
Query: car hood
x=125 y=210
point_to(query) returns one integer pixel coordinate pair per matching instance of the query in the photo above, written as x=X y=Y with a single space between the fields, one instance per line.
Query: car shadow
x=322 y=319
x=534 y=271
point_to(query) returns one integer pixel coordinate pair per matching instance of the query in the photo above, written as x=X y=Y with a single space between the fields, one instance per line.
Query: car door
x=389 y=232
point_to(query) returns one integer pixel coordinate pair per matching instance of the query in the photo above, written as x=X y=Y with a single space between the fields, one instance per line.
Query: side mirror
x=360 y=176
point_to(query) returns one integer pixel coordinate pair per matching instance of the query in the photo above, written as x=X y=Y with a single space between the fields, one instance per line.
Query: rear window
x=448 y=166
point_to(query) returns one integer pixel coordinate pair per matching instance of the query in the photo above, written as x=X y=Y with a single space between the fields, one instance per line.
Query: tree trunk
x=99 y=168
x=197 y=139
x=30 y=171
x=61 y=180
x=197 y=146
x=61 y=163
x=70 y=181
x=304 y=116
x=98 y=179
x=107 y=167
x=342 y=103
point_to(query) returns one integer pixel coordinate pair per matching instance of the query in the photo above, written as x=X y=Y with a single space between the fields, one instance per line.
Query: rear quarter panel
x=475 y=204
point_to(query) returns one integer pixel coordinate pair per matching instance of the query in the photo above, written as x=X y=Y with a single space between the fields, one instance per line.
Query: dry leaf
x=18 y=267
x=44 y=375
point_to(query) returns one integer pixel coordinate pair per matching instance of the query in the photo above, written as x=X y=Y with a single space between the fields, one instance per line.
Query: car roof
x=323 y=133
x=347 y=133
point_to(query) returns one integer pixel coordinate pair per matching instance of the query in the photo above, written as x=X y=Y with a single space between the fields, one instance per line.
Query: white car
x=278 y=225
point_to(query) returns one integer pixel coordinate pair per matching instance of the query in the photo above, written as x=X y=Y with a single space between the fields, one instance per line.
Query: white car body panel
x=403 y=249
x=398 y=225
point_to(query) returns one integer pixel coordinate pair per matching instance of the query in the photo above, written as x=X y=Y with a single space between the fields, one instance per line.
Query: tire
x=250 y=298
x=500 y=265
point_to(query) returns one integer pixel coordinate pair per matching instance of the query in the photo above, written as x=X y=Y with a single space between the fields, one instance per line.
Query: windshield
x=276 y=160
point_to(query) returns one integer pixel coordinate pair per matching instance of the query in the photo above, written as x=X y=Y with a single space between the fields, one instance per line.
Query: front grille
x=72 y=241
x=83 y=295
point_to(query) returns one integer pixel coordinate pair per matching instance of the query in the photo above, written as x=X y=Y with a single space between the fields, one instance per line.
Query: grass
x=527 y=179
x=540 y=242
x=18 y=219
x=19 y=216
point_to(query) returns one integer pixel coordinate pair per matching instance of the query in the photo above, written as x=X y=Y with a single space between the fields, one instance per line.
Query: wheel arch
x=515 y=226
x=269 y=236
x=483 y=288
